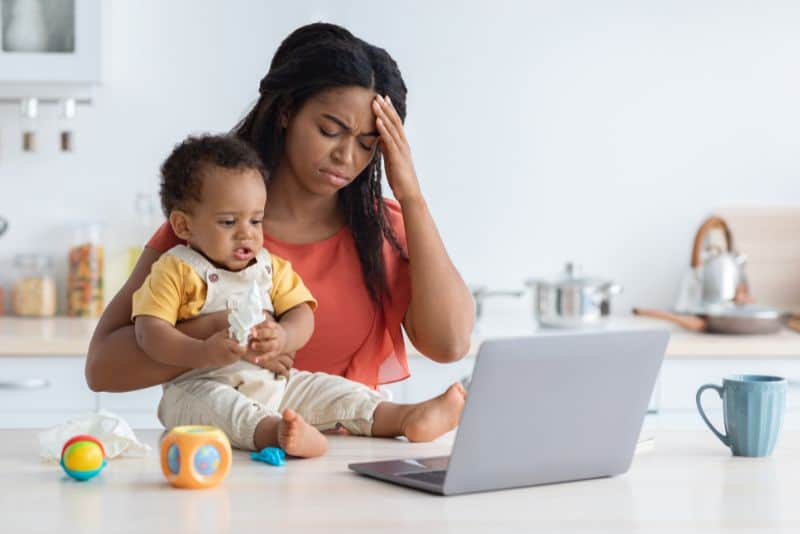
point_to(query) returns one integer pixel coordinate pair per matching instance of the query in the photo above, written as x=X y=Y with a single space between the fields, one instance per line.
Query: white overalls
x=237 y=397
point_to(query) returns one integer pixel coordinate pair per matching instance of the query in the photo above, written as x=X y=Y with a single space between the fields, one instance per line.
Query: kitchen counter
x=688 y=482
x=63 y=336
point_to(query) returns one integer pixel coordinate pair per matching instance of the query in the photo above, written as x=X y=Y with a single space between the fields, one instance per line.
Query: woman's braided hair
x=312 y=59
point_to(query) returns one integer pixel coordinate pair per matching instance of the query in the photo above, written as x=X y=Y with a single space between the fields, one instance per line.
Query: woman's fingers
x=386 y=129
x=397 y=122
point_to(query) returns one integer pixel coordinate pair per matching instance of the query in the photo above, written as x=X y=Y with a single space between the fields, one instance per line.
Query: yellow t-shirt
x=173 y=291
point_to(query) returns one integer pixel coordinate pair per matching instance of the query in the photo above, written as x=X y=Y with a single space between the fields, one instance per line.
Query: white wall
x=542 y=131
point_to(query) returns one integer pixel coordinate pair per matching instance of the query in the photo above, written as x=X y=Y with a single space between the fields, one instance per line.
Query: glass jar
x=33 y=293
x=85 y=271
x=146 y=222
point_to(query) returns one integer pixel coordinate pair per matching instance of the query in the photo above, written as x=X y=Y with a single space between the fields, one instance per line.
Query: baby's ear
x=181 y=224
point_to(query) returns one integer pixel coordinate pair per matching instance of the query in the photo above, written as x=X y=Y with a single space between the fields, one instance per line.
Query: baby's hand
x=220 y=350
x=268 y=338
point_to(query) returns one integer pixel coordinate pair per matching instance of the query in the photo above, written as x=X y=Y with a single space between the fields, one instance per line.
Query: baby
x=213 y=192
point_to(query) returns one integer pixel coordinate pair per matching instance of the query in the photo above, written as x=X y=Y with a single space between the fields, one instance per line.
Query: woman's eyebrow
x=344 y=125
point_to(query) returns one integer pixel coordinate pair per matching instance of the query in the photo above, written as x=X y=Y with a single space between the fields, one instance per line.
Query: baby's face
x=227 y=224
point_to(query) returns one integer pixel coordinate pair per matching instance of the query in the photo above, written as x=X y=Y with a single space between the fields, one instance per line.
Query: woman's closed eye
x=329 y=133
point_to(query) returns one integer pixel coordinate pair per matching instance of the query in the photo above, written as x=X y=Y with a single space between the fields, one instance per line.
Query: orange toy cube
x=195 y=456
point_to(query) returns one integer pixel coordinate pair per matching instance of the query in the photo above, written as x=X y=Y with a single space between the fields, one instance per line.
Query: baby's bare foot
x=432 y=418
x=298 y=438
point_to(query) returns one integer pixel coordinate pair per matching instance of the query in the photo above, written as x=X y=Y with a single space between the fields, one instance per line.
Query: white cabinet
x=42 y=391
x=138 y=408
x=428 y=379
x=38 y=392
x=679 y=380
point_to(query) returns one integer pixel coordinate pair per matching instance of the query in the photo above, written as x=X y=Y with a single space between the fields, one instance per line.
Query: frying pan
x=742 y=319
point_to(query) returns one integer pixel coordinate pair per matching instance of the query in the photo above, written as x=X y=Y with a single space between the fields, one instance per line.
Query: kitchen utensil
x=572 y=301
x=753 y=407
x=721 y=272
x=724 y=319
x=480 y=293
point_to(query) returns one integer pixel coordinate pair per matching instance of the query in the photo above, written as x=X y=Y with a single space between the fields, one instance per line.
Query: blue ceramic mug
x=753 y=412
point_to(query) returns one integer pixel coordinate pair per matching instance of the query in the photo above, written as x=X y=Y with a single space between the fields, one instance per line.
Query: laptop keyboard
x=431 y=477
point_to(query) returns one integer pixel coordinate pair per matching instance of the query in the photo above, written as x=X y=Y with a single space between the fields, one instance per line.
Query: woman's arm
x=114 y=361
x=441 y=313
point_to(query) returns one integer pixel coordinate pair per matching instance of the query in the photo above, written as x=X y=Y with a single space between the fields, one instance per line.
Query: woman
x=331 y=107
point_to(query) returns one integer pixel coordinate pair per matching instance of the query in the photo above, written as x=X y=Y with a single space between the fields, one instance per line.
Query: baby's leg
x=292 y=434
x=209 y=402
x=326 y=401
x=424 y=421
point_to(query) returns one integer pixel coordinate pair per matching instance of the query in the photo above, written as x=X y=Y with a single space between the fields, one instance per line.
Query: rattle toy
x=195 y=456
x=83 y=457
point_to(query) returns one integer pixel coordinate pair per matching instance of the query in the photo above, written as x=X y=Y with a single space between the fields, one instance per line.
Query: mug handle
x=722 y=437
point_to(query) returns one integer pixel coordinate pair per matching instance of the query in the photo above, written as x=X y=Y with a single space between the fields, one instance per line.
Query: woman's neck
x=289 y=202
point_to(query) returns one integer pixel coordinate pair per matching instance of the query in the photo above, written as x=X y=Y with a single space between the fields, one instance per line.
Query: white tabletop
x=687 y=483
x=64 y=336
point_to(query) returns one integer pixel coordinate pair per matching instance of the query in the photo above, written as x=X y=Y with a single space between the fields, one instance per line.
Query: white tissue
x=113 y=432
x=248 y=313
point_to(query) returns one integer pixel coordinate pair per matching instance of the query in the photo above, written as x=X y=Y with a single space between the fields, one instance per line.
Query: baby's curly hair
x=181 y=173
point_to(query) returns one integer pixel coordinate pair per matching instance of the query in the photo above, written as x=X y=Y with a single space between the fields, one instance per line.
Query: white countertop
x=63 y=336
x=688 y=483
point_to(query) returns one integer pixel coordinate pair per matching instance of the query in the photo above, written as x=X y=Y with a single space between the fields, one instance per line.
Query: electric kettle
x=721 y=271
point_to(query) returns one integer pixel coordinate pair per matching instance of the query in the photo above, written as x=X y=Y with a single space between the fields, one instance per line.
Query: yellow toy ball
x=83 y=457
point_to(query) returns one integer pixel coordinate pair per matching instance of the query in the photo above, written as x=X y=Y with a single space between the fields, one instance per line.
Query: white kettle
x=721 y=272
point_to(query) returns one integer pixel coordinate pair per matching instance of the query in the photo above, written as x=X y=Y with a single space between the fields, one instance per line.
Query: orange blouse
x=353 y=337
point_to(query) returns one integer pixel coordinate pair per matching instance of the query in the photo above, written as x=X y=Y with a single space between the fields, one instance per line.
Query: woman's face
x=331 y=139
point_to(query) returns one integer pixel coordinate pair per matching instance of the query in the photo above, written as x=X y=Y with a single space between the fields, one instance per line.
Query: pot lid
x=570 y=276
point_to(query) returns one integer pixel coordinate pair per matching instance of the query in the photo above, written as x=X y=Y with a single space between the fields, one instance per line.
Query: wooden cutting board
x=770 y=238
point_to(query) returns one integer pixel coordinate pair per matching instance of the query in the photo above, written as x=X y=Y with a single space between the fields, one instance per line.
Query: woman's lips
x=333 y=178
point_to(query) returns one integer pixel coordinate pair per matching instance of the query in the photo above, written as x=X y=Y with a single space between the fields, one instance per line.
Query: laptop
x=555 y=407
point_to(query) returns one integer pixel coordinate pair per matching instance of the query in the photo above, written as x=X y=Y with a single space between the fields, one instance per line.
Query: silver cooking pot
x=572 y=301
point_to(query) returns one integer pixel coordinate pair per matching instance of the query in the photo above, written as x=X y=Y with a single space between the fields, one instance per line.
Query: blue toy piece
x=270 y=455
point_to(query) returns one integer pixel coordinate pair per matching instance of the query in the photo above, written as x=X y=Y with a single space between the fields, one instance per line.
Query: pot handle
x=689 y=322
x=709 y=224
x=605 y=290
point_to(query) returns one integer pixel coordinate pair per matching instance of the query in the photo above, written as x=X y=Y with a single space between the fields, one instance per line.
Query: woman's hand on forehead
x=396 y=151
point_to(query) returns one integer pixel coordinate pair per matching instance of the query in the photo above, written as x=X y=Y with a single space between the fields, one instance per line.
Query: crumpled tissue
x=113 y=432
x=248 y=313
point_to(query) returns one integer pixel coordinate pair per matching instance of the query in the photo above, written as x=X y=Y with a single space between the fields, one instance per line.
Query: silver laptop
x=549 y=408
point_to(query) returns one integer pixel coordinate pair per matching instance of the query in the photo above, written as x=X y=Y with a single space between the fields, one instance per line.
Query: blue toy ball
x=206 y=460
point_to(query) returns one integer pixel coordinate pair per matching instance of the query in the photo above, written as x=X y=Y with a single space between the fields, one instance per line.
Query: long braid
x=312 y=59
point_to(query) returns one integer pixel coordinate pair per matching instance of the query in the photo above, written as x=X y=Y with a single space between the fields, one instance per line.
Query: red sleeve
x=398 y=278
x=164 y=239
